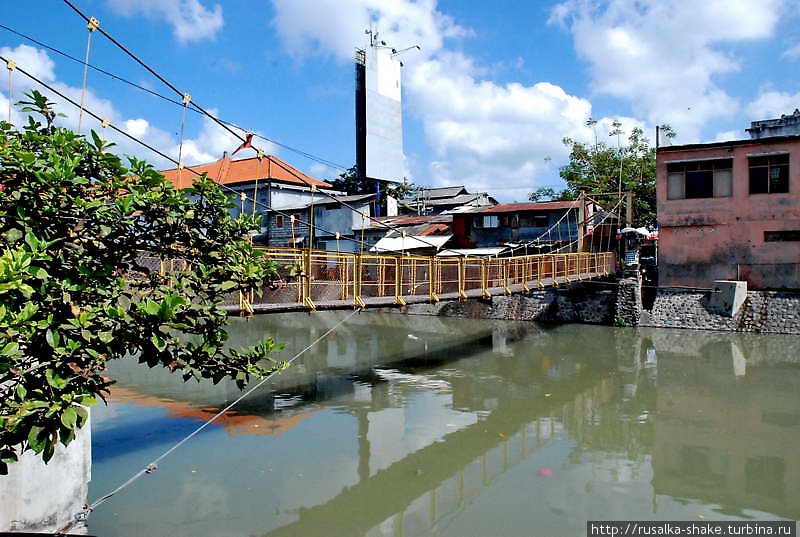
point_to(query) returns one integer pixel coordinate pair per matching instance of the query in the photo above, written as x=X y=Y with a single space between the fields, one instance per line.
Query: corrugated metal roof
x=402 y=244
x=531 y=206
x=231 y=172
x=400 y=221
x=443 y=192
x=471 y=252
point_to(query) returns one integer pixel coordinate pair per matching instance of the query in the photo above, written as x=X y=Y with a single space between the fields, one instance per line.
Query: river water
x=413 y=426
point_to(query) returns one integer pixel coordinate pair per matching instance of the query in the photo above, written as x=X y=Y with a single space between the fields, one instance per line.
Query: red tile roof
x=531 y=206
x=232 y=172
x=434 y=229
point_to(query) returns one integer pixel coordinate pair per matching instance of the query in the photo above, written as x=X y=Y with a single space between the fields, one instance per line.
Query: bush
x=74 y=294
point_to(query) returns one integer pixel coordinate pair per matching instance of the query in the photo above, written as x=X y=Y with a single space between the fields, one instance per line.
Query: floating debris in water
x=545 y=472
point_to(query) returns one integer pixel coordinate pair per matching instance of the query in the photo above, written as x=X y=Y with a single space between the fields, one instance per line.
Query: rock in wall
x=771 y=312
x=590 y=302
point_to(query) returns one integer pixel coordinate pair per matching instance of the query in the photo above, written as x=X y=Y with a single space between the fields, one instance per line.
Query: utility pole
x=629 y=209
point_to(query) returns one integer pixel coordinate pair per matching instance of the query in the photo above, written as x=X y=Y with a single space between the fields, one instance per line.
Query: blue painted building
x=551 y=223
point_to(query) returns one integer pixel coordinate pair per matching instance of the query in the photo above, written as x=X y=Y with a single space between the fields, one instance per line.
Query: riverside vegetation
x=74 y=224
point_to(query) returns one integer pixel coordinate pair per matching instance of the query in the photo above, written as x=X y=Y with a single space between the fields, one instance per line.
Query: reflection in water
x=411 y=426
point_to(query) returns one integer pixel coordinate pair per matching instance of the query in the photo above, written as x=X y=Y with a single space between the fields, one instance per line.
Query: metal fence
x=309 y=278
x=317 y=277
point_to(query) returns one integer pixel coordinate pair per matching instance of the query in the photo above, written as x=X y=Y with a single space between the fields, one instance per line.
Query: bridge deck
x=317 y=280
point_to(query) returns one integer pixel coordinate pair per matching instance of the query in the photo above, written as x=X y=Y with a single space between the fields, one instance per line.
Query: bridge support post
x=306 y=285
x=432 y=267
x=462 y=276
x=485 y=279
x=398 y=281
x=357 y=271
x=505 y=264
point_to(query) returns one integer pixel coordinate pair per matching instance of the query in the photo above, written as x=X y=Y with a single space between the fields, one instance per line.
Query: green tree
x=546 y=193
x=77 y=230
x=629 y=167
x=349 y=181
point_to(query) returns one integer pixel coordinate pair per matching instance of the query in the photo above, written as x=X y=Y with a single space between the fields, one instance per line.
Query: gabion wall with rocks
x=590 y=302
x=629 y=302
x=769 y=312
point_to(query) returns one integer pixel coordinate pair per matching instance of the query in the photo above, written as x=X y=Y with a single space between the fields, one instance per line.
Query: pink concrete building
x=731 y=211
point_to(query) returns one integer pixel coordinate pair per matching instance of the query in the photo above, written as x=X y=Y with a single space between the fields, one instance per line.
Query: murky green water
x=412 y=426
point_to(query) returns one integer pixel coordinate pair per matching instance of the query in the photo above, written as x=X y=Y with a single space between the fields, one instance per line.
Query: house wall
x=487 y=237
x=282 y=236
x=702 y=240
x=340 y=219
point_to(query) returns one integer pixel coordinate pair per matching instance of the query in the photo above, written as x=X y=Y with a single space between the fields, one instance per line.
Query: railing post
x=344 y=273
x=462 y=276
x=504 y=261
x=412 y=284
x=398 y=281
x=434 y=298
x=307 y=266
x=485 y=278
x=525 y=274
x=357 y=301
x=539 y=282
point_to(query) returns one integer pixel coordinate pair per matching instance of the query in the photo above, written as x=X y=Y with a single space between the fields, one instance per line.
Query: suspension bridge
x=332 y=280
x=311 y=280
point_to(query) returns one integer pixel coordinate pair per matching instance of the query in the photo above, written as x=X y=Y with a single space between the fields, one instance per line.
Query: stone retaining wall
x=592 y=303
x=770 y=312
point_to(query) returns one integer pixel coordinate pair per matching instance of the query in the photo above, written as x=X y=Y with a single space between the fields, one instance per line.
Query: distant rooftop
x=786 y=125
x=531 y=206
x=232 y=172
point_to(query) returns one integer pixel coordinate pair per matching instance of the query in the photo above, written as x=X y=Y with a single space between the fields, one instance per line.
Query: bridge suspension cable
x=176 y=102
x=236 y=134
x=152 y=466
x=106 y=123
x=196 y=108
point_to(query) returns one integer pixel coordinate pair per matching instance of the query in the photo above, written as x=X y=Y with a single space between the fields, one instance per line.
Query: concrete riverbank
x=618 y=302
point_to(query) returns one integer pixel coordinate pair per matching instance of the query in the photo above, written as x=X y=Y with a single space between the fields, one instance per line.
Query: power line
x=124 y=80
x=170 y=159
x=83 y=515
x=205 y=112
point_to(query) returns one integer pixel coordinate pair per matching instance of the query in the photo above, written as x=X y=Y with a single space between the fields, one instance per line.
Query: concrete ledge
x=727 y=297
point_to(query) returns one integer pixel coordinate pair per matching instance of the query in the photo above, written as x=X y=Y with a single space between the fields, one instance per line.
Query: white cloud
x=484 y=135
x=336 y=27
x=665 y=57
x=792 y=53
x=190 y=19
x=773 y=104
x=729 y=135
x=205 y=145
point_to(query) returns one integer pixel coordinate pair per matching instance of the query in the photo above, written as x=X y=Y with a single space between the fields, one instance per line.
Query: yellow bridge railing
x=316 y=278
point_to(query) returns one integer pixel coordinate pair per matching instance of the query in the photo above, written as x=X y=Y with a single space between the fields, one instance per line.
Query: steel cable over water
x=124 y=80
x=236 y=134
x=225 y=124
x=151 y=467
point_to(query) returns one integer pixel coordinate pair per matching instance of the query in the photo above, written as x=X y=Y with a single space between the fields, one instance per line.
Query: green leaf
x=37 y=438
x=227 y=285
x=105 y=337
x=158 y=343
x=52 y=338
x=87 y=400
x=11 y=349
x=83 y=416
x=69 y=417
x=38 y=273
x=151 y=307
x=49 y=449
x=54 y=379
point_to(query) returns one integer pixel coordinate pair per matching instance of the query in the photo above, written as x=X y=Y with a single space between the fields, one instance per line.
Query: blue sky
x=486 y=102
